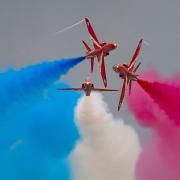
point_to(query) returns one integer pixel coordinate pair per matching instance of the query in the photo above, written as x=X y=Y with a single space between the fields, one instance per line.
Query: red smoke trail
x=167 y=96
x=160 y=157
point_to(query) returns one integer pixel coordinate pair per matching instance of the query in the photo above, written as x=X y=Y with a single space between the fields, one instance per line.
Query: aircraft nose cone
x=115 y=45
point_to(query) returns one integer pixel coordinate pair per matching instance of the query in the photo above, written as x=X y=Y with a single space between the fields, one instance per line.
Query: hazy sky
x=27 y=28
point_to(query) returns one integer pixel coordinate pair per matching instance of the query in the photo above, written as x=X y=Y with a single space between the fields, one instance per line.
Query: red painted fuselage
x=105 y=48
x=87 y=87
x=123 y=72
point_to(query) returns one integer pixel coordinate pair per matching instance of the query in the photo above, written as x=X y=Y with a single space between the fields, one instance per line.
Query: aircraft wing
x=70 y=89
x=102 y=68
x=101 y=89
x=122 y=93
x=91 y=30
x=92 y=33
x=136 y=53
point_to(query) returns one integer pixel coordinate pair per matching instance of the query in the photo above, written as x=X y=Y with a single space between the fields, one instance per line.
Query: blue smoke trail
x=37 y=130
x=17 y=85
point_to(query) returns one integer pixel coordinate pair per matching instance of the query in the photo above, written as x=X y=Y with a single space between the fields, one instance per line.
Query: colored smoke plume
x=155 y=105
x=108 y=148
x=37 y=131
x=166 y=95
x=17 y=85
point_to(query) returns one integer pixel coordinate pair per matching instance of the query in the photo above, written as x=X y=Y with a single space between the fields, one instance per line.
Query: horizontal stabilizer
x=92 y=64
x=136 y=68
x=86 y=46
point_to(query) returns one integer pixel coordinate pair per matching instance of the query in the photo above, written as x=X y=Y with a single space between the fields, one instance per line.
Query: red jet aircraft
x=128 y=72
x=87 y=87
x=100 y=50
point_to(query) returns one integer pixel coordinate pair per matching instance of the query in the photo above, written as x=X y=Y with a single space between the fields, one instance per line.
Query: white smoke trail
x=69 y=27
x=108 y=149
x=146 y=43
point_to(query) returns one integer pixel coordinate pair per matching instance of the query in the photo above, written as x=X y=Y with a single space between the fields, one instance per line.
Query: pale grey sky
x=26 y=28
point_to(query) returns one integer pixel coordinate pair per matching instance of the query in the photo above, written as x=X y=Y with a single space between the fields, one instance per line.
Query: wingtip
x=105 y=83
x=86 y=19
x=83 y=42
x=119 y=107
x=141 y=41
x=146 y=43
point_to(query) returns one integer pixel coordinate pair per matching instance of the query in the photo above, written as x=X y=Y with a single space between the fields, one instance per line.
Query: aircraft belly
x=106 y=49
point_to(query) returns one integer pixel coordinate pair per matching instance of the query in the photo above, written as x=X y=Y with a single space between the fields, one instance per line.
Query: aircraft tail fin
x=130 y=82
x=92 y=59
x=136 y=68
x=92 y=64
